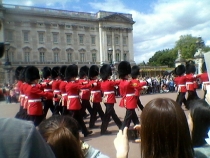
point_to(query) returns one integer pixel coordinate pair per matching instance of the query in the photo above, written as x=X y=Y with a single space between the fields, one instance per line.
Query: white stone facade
x=48 y=37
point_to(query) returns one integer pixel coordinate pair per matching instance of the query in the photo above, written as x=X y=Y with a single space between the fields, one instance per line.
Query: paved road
x=103 y=143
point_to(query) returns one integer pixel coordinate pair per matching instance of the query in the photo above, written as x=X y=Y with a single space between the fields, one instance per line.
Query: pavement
x=103 y=142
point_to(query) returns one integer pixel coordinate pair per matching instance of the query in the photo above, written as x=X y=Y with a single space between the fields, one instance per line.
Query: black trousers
x=86 y=105
x=181 y=99
x=77 y=115
x=64 y=110
x=139 y=104
x=48 y=104
x=36 y=119
x=204 y=96
x=96 y=109
x=130 y=115
x=58 y=108
x=110 y=112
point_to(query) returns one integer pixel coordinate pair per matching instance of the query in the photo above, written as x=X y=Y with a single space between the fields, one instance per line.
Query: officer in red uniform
x=95 y=97
x=62 y=88
x=180 y=81
x=127 y=91
x=84 y=93
x=56 y=90
x=73 y=102
x=204 y=78
x=107 y=88
x=135 y=72
x=47 y=81
x=190 y=79
x=34 y=93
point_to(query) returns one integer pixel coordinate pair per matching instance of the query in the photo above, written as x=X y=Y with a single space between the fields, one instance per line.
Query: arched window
x=69 y=52
x=56 y=54
x=42 y=51
x=26 y=51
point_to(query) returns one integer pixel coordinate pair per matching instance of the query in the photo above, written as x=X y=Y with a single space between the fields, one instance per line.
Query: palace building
x=49 y=37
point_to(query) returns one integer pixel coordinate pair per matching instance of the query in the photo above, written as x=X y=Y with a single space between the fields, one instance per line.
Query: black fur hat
x=83 y=71
x=62 y=72
x=204 y=67
x=1 y=49
x=93 y=71
x=18 y=71
x=124 y=68
x=22 y=74
x=135 y=71
x=190 y=67
x=180 y=70
x=31 y=74
x=55 y=72
x=105 y=72
x=46 y=72
x=71 y=71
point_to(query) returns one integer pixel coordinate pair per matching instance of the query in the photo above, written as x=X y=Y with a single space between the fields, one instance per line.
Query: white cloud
x=167 y=20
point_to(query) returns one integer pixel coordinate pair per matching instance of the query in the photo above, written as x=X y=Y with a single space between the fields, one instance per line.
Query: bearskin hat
x=46 y=72
x=204 y=67
x=180 y=70
x=62 y=71
x=83 y=71
x=18 y=71
x=124 y=68
x=135 y=71
x=190 y=67
x=105 y=72
x=93 y=71
x=1 y=49
x=71 y=71
x=55 y=72
x=22 y=74
x=31 y=74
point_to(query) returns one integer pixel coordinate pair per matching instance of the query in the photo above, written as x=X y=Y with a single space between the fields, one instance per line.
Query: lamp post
x=7 y=65
x=112 y=64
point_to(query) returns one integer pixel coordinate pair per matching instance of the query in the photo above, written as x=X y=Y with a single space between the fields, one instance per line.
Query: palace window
x=69 y=57
x=55 y=37
x=41 y=37
x=116 y=40
x=9 y=36
x=93 y=57
x=11 y=55
x=125 y=40
x=81 y=39
x=42 y=56
x=82 y=57
x=25 y=36
x=109 y=40
x=56 y=58
x=93 y=40
x=118 y=56
x=68 y=38
x=27 y=57
x=110 y=57
x=124 y=56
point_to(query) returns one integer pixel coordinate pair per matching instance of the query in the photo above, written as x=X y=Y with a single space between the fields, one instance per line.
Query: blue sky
x=159 y=23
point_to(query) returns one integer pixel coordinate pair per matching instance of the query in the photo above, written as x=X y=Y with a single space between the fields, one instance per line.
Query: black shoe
x=91 y=127
x=106 y=133
x=88 y=133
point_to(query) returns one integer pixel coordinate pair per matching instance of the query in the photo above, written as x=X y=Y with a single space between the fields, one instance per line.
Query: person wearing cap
x=107 y=88
x=35 y=95
x=180 y=81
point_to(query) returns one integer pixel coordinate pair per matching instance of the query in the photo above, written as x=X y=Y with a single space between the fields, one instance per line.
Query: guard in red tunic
x=127 y=91
x=47 y=81
x=204 y=78
x=95 y=96
x=56 y=90
x=107 y=88
x=84 y=93
x=180 y=81
x=34 y=93
x=62 y=88
x=190 y=79
x=73 y=102
x=135 y=72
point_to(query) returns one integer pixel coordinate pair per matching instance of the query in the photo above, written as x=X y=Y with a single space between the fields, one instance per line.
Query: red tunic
x=190 y=79
x=95 y=96
x=127 y=90
x=84 y=92
x=62 y=88
x=72 y=89
x=204 y=79
x=107 y=87
x=55 y=88
x=47 y=87
x=141 y=84
x=34 y=94
x=180 y=81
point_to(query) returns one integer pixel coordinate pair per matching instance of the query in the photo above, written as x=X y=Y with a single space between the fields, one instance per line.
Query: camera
x=133 y=134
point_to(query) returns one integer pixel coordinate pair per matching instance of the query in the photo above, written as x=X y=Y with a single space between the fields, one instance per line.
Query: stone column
x=101 y=45
x=113 y=47
x=130 y=45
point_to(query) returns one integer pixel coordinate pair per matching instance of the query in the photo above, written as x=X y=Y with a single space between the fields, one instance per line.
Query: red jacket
x=95 y=96
x=190 y=79
x=141 y=84
x=180 y=81
x=204 y=79
x=84 y=92
x=34 y=94
x=55 y=88
x=62 y=88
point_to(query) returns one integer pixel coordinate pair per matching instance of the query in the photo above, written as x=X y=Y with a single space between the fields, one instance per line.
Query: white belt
x=22 y=95
x=189 y=82
x=109 y=92
x=56 y=91
x=26 y=97
x=129 y=95
x=84 y=89
x=64 y=94
x=181 y=85
x=206 y=82
x=95 y=92
x=47 y=90
x=34 y=100
x=73 y=96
